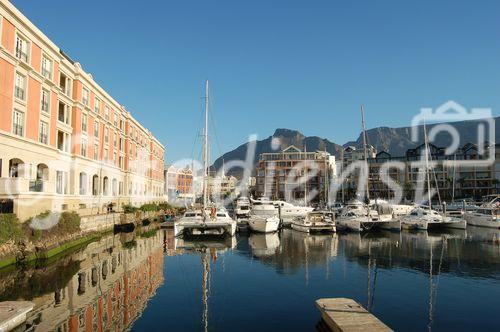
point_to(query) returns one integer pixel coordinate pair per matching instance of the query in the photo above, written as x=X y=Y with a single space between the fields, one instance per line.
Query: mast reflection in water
x=267 y=282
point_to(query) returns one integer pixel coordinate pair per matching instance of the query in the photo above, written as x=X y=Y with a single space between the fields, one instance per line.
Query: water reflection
x=411 y=280
x=103 y=287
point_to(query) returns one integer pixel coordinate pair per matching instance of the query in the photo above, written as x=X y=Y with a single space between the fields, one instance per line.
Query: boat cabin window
x=191 y=215
x=414 y=213
x=221 y=215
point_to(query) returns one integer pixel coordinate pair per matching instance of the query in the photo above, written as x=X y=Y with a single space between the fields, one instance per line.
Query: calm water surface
x=153 y=282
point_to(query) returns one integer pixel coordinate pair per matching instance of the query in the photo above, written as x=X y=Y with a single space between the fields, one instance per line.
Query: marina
x=410 y=281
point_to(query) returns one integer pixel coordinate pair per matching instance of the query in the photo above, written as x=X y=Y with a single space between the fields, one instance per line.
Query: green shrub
x=69 y=222
x=127 y=208
x=149 y=207
x=10 y=228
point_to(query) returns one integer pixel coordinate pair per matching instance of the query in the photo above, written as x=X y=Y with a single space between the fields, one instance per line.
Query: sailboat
x=357 y=216
x=424 y=217
x=209 y=219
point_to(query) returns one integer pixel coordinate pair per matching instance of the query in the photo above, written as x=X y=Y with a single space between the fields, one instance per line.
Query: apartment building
x=454 y=179
x=178 y=183
x=65 y=143
x=279 y=173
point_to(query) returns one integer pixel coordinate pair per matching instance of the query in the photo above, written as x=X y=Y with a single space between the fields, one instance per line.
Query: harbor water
x=412 y=281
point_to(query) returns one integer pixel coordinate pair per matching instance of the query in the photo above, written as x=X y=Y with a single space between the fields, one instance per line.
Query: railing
x=21 y=55
x=43 y=138
x=36 y=186
x=18 y=129
x=19 y=93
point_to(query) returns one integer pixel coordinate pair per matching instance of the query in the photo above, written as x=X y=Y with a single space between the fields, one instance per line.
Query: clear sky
x=305 y=65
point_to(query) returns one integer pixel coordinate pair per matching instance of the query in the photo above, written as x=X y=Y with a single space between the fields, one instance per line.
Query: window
x=114 y=158
x=46 y=68
x=115 y=119
x=84 y=123
x=63 y=141
x=22 y=49
x=121 y=125
x=18 y=123
x=106 y=135
x=20 y=87
x=121 y=162
x=85 y=97
x=61 y=182
x=63 y=113
x=115 y=140
x=106 y=112
x=97 y=105
x=96 y=130
x=43 y=134
x=83 y=183
x=96 y=151
x=121 y=144
x=45 y=102
x=84 y=147
x=106 y=155
x=65 y=84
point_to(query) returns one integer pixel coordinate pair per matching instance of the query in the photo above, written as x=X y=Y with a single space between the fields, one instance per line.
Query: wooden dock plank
x=346 y=315
x=13 y=313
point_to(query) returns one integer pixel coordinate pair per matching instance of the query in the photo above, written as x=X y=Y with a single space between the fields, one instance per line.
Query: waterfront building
x=65 y=143
x=278 y=174
x=178 y=183
x=453 y=179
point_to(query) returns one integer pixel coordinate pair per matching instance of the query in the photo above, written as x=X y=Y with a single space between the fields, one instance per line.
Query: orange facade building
x=65 y=143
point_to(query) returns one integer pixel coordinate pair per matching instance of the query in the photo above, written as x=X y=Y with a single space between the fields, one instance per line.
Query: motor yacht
x=315 y=222
x=488 y=213
x=263 y=217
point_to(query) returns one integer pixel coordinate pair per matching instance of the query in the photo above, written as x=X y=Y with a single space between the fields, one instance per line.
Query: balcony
x=19 y=93
x=36 y=186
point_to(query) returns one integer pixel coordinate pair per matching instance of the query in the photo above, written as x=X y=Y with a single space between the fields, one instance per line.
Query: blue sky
x=305 y=65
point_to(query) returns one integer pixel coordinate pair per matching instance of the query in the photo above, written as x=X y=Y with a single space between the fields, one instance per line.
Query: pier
x=13 y=314
x=346 y=315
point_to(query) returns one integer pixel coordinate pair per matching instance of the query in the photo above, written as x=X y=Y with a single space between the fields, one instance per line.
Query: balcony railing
x=43 y=138
x=18 y=129
x=21 y=55
x=19 y=93
x=36 y=186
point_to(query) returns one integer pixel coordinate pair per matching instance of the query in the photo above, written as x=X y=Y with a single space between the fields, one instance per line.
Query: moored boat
x=315 y=222
x=263 y=217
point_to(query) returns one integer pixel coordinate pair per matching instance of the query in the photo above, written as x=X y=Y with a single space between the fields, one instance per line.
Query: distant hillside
x=393 y=140
x=286 y=137
x=397 y=140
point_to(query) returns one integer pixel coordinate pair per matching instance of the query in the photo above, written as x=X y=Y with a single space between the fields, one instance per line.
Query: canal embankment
x=27 y=242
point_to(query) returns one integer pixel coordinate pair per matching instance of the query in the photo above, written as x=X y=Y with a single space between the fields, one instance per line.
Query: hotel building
x=278 y=174
x=178 y=183
x=65 y=143
x=453 y=178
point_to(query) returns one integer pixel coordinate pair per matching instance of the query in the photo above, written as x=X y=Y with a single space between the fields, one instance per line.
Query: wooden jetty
x=13 y=314
x=346 y=315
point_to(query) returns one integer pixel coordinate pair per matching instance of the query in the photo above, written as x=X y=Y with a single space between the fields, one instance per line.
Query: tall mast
x=365 y=151
x=205 y=151
x=426 y=142
x=305 y=173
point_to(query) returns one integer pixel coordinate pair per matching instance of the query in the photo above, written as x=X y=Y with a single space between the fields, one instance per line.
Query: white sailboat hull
x=264 y=225
x=199 y=227
x=482 y=220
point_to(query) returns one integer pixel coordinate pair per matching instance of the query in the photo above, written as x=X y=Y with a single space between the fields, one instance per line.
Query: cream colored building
x=65 y=143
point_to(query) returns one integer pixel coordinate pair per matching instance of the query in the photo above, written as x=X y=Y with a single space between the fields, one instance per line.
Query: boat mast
x=366 y=153
x=427 y=167
x=205 y=151
x=305 y=173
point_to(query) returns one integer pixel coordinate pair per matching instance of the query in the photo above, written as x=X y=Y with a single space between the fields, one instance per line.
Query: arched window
x=83 y=183
x=16 y=168
x=95 y=185
x=105 y=186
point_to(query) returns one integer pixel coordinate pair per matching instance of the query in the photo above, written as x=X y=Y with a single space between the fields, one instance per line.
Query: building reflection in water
x=105 y=286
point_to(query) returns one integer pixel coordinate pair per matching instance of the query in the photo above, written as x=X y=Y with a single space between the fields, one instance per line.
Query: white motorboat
x=208 y=222
x=242 y=207
x=263 y=217
x=288 y=211
x=487 y=215
x=315 y=222
x=424 y=218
